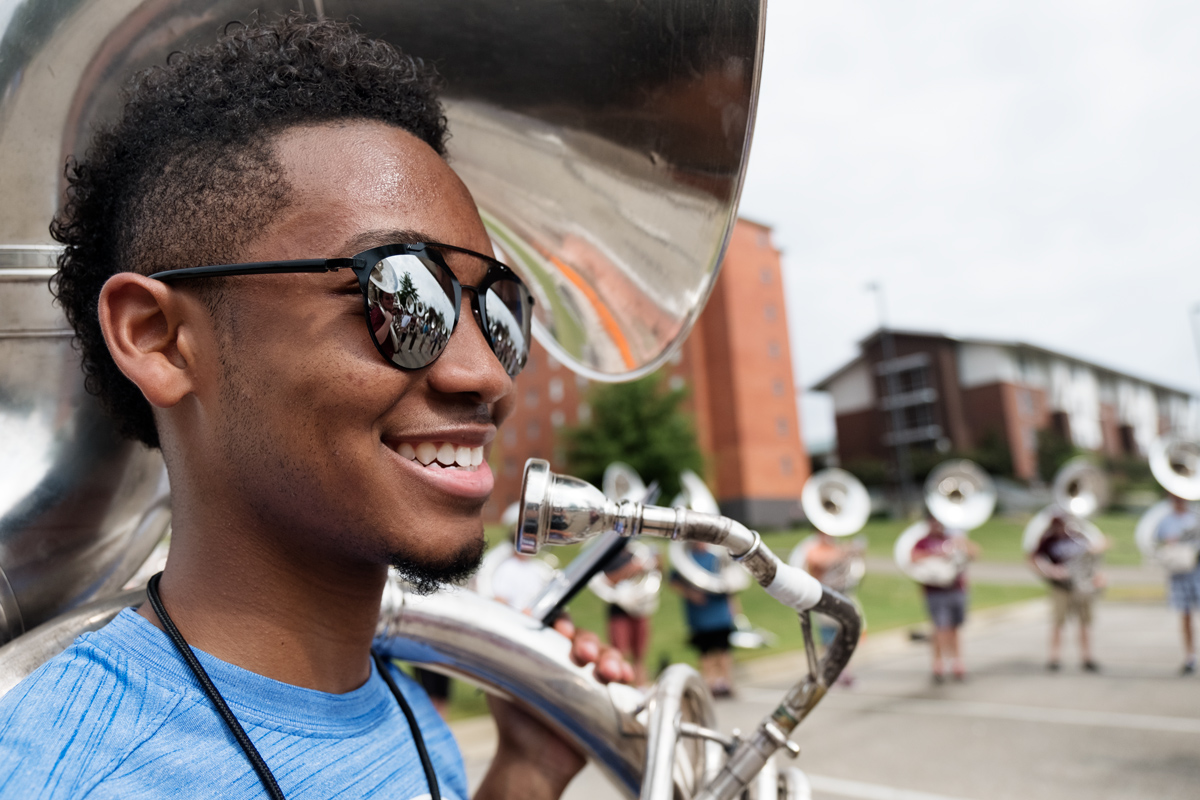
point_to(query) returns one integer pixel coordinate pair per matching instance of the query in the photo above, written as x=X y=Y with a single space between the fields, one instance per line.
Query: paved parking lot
x=1012 y=730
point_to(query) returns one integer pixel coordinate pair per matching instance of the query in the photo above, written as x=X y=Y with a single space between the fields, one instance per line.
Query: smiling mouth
x=442 y=455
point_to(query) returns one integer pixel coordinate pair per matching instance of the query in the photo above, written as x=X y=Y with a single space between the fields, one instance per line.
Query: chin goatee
x=425 y=577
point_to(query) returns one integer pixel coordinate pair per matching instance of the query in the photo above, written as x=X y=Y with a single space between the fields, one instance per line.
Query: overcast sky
x=1015 y=169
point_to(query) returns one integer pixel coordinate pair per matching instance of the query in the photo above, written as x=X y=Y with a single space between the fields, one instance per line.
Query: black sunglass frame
x=362 y=264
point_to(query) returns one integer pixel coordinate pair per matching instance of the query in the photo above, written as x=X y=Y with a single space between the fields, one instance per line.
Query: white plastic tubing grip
x=794 y=587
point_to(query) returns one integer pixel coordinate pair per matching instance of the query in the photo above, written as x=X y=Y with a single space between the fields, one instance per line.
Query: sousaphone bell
x=729 y=577
x=837 y=504
x=961 y=496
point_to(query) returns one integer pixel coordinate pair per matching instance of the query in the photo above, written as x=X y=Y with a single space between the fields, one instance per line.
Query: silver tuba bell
x=729 y=577
x=837 y=504
x=1080 y=487
x=961 y=496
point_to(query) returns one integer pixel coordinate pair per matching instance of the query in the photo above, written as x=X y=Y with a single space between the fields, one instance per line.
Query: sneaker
x=1188 y=667
x=1052 y=666
x=939 y=678
x=1091 y=666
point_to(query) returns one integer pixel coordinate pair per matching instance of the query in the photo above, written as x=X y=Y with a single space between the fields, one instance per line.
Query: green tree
x=641 y=423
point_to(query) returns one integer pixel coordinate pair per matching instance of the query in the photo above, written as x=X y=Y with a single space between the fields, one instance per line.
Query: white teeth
x=426 y=452
x=442 y=455
x=462 y=456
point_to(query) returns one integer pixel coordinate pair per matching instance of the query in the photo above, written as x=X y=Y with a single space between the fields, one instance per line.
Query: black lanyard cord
x=235 y=727
x=426 y=764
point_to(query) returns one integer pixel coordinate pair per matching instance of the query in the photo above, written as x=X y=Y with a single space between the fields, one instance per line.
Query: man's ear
x=148 y=328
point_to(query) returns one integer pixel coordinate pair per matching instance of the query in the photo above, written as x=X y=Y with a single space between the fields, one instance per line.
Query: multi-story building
x=951 y=393
x=737 y=364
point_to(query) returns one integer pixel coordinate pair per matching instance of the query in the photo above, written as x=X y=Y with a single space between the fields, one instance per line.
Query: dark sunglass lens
x=508 y=306
x=412 y=309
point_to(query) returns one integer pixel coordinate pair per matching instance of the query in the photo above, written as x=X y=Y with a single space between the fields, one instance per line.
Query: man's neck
x=308 y=625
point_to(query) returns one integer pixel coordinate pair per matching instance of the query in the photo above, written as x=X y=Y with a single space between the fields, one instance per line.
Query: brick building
x=738 y=366
x=951 y=393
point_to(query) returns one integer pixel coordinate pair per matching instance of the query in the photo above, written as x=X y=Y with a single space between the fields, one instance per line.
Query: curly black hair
x=186 y=176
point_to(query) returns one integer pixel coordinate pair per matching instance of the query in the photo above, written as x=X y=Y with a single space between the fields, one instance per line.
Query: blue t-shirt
x=715 y=613
x=120 y=715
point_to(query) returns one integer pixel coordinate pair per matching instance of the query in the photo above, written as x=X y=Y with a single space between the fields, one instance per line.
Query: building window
x=764 y=240
x=581 y=382
x=777 y=387
x=785 y=465
x=533 y=429
x=557 y=418
x=552 y=362
x=510 y=466
x=765 y=276
x=773 y=349
x=676 y=357
x=510 y=437
x=555 y=390
x=781 y=426
x=531 y=398
x=676 y=383
x=769 y=312
x=583 y=413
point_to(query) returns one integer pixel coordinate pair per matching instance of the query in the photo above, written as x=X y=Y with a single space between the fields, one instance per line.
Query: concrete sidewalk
x=1012 y=730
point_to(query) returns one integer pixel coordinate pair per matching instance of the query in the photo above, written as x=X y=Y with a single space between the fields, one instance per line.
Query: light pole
x=890 y=377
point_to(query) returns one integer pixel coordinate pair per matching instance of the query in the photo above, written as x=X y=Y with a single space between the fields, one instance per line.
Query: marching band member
x=628 y=632
x=1184 y=587
x=827 y=560
x=1057 y=550
x=305 y=452
x=710 y=620
x=947 y=605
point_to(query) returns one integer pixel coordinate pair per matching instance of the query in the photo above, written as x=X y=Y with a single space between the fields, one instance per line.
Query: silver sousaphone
x=729 y=577
x=637 y=595
x=837 y=504
x=1080 y=490
x=1175 y=464
x=961 y=496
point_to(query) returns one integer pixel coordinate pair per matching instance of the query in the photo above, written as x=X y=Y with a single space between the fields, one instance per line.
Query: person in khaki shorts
x=1071 y=594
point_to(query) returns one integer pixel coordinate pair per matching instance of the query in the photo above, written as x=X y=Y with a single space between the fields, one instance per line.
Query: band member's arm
x=533 y=762
x=689 y=592
x=1044 y=566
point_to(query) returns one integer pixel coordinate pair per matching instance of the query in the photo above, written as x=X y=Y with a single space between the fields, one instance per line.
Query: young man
x=312 y=436
x=1182 y=528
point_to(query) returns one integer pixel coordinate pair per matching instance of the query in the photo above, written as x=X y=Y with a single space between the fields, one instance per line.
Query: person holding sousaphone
x=1062 y=556
x=1065 y=548
x=837 y=504
x=946 y=602
x=1169 y=532
x=935 y=552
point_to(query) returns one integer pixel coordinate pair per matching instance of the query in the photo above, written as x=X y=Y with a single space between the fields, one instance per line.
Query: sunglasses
x=411 y=298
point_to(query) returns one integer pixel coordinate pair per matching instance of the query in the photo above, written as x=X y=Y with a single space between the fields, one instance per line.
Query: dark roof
x=823 y=384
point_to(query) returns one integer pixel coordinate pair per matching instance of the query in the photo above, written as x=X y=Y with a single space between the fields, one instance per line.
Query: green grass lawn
x=999 y=538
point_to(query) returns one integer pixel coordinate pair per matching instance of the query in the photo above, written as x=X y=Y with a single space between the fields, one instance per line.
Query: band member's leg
x=1059 y=599
x=1189 y=644
x=1084 y=613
